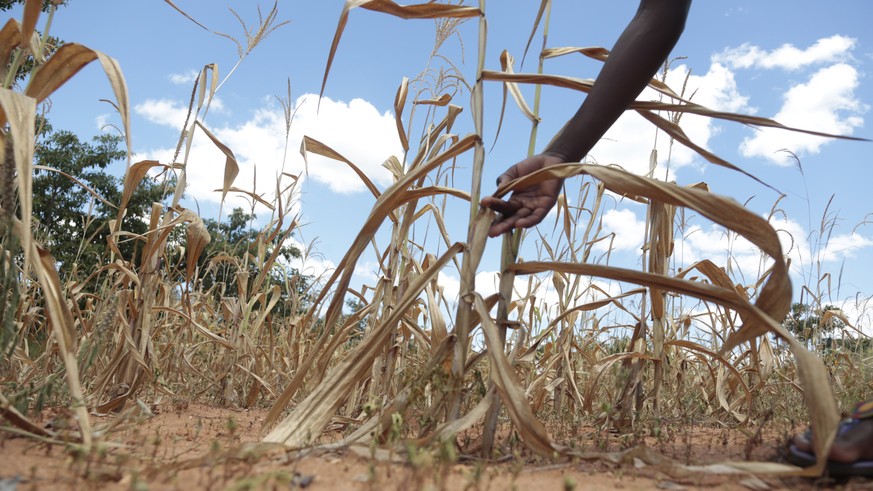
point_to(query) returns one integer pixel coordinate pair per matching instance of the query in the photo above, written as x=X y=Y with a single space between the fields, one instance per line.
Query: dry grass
x=675 y=348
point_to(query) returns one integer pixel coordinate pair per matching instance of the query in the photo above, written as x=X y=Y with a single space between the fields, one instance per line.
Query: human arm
x=634 y=60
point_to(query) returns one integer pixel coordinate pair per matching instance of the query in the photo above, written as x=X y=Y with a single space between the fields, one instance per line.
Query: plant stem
x=471 y=257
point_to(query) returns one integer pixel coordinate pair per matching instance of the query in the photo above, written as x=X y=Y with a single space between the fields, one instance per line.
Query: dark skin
x=850 y=446
x=636 y=57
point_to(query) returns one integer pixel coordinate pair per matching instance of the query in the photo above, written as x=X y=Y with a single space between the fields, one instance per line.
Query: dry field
x=174 y=365
x=192 y=446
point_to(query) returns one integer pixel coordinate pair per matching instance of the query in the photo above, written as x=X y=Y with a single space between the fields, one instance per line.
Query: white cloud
x=717 y=89
x=356 y=130
x=808 y=253
x=183 y=78
x=172 y=113
x=102 y=120
x=826 y=103
x=859 y=310
x=826 y=50
x=450 y=286
x=630 y=140
x=806 y=249
x=368 y=271
x=537 y=291
x=736 y=11
x=628 y=230
x=628 y=143
x=165 y=112
x=488 y=282
x=841 y=246
x=736 y=254
x=310 y=263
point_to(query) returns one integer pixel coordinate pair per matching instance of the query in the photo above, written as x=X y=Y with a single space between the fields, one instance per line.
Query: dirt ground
x=193 y=447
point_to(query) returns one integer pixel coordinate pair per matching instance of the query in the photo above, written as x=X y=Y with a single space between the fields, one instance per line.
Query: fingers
x=504 y=222
x=505 y=208
x=502 y=225
x=505 y=177
x=527 y=218
x=498 y=229
x=513 y=217
x=528 y=221
x=514 y=213
x=511 y=173
x=524 y=208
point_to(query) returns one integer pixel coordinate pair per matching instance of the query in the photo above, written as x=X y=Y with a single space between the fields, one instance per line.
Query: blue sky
x=797 y=61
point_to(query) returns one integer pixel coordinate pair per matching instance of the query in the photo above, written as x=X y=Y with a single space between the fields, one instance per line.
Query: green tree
x=71 y=222
x=808 y=324
x=353 y=305
x=46 y=4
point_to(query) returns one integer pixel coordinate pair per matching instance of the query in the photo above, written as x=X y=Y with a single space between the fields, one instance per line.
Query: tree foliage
x=809 y=324
x=46 y=4
x=71 y=222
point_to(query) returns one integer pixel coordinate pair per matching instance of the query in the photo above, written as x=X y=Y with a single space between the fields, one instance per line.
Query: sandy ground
x=193 y=447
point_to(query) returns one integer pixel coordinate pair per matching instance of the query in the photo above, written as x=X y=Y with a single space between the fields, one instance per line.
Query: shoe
x=861 y=468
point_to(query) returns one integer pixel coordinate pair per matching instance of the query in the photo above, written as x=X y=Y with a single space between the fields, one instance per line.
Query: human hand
x=528 y=206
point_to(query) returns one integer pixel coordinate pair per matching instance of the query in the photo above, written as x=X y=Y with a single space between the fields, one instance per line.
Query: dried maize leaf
x=716 y=275
x=440 y=101
x=215 y=338
x=773 y=301
x=65 y=334
x=20 y=111
x=213 y=85
x=65 y=63
x=428 y=10
x=32 y=9
x=506 y=61
x=309 y=418
x=311 y=145
x=80 y=183
x=254 y=196
x=719 y=385
x=399 y=104
x=132 y=177
x=171 y=4
x=198 y=238
x=231 y=167
x=448 y=430
x=10 y=38
x=419 y=11
x=586 y=307
x=594 y=52
x=676 y=132
x=544 y=4
x=531 y=430
x=391 y=199
x=692 y=108
x=602 y=365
